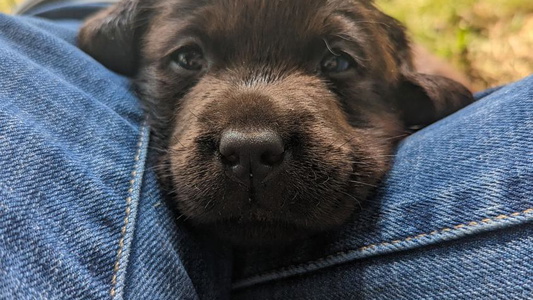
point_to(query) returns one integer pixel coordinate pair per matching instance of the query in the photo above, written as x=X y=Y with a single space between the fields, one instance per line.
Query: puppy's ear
x=424 y=99
x=112 y=35
x=421 y=98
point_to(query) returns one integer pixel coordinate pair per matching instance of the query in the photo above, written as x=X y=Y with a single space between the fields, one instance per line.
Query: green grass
x=489 y=40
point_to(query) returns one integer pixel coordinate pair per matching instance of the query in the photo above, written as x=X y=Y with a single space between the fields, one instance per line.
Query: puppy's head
x=278 y=117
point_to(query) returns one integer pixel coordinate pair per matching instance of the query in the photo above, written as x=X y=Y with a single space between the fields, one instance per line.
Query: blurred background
x=490 y=41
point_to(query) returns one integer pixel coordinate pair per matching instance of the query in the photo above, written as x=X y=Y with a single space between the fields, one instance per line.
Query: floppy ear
x=421 y=98
x=424 y=99
x=112 y=35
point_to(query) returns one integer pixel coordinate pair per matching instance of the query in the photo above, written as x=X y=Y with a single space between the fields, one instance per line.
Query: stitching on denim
x=393 y=242
x=116 y=267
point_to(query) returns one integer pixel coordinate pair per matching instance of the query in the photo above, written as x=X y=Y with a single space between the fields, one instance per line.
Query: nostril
x=230 y=159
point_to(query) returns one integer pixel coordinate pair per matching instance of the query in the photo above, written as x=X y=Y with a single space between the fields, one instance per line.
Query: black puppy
x=278 y=116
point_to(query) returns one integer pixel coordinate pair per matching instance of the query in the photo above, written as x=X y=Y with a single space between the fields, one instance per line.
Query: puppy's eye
x=336 y=63
x=189 y=58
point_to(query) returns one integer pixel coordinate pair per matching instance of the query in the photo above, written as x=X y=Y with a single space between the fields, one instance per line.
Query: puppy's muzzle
x=251 y=157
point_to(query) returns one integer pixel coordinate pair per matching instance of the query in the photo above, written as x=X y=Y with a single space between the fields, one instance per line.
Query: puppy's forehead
x=261 y=23
x=232 y=15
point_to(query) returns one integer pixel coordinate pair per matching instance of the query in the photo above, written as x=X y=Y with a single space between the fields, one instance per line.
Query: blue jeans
x=82 y=215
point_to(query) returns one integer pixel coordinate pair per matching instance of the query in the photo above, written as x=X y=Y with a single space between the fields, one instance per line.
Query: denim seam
x=126 y=234
x=348 y=255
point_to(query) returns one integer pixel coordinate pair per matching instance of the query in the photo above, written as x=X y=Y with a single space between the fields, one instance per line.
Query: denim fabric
x=82 y=215
x=72 y=158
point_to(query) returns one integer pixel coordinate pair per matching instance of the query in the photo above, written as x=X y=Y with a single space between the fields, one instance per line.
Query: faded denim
x=82 y=216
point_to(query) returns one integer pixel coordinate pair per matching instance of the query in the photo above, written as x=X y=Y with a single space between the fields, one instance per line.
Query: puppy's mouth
x=265 y=217
x=259 y=189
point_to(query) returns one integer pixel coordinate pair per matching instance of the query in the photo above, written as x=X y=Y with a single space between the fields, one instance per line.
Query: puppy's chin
x=251 y=224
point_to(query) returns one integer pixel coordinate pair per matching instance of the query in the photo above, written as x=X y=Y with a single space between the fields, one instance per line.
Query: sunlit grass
x=6 y=5
x=489 y=40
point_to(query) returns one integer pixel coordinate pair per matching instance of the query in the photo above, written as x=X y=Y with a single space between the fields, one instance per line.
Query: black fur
x=264 y=70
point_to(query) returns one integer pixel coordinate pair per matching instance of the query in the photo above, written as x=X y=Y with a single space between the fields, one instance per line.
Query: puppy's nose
x=251 y=155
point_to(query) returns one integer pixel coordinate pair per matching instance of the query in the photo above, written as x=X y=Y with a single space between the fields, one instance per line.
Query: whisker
x=397 y=136
x=364 y=183
x=158 y=149
x=329 y=48
x=355 y=199
x=190 y=110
